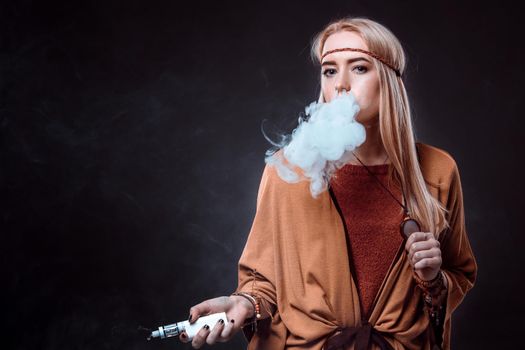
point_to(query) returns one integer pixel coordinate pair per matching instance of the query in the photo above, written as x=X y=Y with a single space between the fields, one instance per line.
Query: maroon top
x=372 y=219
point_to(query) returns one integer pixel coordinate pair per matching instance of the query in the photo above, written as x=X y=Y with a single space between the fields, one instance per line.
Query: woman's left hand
x=424 y=254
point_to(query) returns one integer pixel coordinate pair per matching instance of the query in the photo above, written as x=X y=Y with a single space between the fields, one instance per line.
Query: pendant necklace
x=408 y=225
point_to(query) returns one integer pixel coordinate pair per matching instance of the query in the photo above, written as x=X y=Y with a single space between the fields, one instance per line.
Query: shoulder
x=290 y=184
x=282 y=179
x=437 y=165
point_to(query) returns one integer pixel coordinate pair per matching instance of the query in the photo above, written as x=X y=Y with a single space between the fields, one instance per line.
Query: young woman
x=334 y=272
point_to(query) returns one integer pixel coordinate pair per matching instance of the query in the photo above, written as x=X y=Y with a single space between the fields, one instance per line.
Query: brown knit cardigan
x=297 y=246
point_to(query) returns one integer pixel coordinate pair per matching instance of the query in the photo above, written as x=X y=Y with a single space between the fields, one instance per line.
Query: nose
x=342 y=84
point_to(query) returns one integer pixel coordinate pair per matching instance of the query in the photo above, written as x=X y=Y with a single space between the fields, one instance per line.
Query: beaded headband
x=376 y=56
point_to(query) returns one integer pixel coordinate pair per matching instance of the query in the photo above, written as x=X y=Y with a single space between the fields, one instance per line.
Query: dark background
x=131 y=152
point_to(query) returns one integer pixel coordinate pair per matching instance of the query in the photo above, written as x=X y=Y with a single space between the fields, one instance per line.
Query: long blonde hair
x=395 y=118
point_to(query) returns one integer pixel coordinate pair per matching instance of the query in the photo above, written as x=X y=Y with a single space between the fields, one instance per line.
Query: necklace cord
x=375 y=177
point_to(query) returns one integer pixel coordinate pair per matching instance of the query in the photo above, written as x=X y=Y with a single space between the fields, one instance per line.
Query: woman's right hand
x=238 y=309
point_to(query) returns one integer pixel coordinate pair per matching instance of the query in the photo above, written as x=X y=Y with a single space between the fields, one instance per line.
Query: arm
x=256 y=264
x=256 y=261
x=459 y=264
x=445 y=269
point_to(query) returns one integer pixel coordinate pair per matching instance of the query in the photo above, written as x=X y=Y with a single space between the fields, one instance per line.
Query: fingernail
x=232 y=321
x=221 y=321
x=189 y=318
x=206 y=327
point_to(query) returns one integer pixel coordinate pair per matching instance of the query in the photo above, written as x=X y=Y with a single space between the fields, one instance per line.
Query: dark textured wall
x=131 y=152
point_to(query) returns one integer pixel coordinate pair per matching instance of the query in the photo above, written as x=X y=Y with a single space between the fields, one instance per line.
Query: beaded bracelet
x=434 y=292
x=434 y=287
x=256 y=303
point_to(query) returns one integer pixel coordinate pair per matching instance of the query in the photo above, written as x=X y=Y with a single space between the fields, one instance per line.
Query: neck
x=372 y=151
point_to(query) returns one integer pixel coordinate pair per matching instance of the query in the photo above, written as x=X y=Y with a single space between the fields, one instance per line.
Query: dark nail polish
x=232 y=321
x=206 y=327
x=189 y=319
x=221 y=321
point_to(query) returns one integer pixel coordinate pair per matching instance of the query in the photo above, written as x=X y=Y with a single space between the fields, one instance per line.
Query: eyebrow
x=332 y=63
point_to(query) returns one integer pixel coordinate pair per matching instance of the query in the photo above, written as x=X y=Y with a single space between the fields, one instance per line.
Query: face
x=352 y=71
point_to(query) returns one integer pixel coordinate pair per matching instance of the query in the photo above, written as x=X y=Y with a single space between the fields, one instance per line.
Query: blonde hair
x=395 y=118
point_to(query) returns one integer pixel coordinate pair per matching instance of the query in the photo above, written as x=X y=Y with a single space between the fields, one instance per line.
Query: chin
x=367 y=121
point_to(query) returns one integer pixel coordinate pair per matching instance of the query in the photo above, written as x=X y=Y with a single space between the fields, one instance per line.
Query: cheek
x=328 y=91
x=366 y=97
x=362 y=98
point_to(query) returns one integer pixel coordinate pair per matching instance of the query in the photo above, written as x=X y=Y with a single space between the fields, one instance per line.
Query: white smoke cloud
x=321 y=144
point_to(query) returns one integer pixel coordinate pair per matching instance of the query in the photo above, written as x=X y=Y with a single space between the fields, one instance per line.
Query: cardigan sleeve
x=256 y=264
x=458 y=261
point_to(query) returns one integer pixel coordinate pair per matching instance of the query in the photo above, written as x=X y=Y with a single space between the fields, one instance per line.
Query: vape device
x=174 y=329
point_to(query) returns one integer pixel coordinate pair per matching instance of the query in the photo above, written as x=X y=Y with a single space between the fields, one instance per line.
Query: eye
x=360 y=69
x=329 y=72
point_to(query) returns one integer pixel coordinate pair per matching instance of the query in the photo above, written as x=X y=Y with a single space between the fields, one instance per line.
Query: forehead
x=343 y=39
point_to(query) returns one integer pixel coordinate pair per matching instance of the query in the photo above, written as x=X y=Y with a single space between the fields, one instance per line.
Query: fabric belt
x=364 y=336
